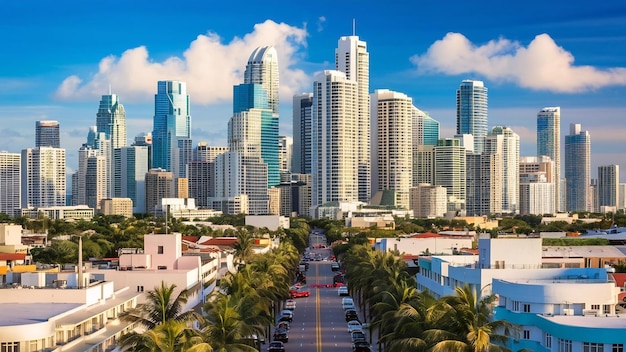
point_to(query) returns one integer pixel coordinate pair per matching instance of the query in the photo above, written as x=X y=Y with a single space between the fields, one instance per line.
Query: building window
x=162 y=267
x=617 y=347
x=526 y=308
x=526 y=334
x=548 y=342
x=10 y=347
x=593 y=347
x=606 y=308
x=595 y=306
x=160 y=250
x=139 y=288
x=515 y=306
x=564 y=345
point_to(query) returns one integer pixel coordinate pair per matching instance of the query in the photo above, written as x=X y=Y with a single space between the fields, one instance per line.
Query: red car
x=298 y=294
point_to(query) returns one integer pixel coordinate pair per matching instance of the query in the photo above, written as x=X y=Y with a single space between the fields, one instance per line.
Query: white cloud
x=321 y=21
x=542 y=65
x=210 y=67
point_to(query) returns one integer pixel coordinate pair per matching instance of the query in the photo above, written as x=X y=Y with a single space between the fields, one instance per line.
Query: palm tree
x=243 y=246
x=226 y=329
x=170 y=336
x=463 y=323
x=160 y=307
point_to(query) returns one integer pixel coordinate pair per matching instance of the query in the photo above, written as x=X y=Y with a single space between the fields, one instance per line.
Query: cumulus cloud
x=209 y=66
x=542 y=65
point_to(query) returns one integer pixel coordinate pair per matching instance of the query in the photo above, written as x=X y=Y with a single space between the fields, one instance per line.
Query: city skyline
x=582 y=70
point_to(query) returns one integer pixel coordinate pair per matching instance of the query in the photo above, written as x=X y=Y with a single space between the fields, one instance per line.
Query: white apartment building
x=557 y=309
x=10 y=183
x=428 y=201
x=43 y=177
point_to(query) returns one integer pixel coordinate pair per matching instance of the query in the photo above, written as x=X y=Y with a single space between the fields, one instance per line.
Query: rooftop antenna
x=353 y=27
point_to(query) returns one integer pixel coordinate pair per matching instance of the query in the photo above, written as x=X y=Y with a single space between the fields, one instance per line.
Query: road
x=319 y=321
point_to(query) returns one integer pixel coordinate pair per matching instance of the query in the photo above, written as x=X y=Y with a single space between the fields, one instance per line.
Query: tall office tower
x=111 y=120
x=262 y=68
x=428 y=201
x=549 y=144
x=578 y=169
x=484 y=183
x=47 y=134
x=131 y=165
x=252 y=98
x=352 y=58
x=608 y=186
x=392 y=154
x=96 y=181
x=301 y=163
x=159 y=185
x=201 y=177
x=79 y=180
x=621 y=196
x=171 y=137
x=285 y=152
x=335 y=166
x=423 y=164
x=43 y=177
x=510 y=167
x=205 y=152
x=450 y=172
x=536 y=187
x=10 y=183
x=425 y=128
x=471 y=112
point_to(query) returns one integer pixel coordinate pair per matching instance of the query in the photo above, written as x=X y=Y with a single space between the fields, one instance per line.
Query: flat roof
x=97 y=308
x=590 y=321
x=32 y=313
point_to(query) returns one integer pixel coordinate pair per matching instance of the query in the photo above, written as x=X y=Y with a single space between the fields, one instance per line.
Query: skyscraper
x=392 y=157
x=285 y=152
x=159 y=185
x=425 y=129
x=471 y=112
x=262 y=68
x=302 y=103
x=450 y=172
x=171 y=137
x=536 y=190
x=608 y=186
x=578 y=169
x=10 y=183
x=252 y=98
x=510 y=167
x=111 y=120
x=47 y=134
x=131 y=165
x=352 y=58
x=549 y=144
x=43 y=177
x=334 y=151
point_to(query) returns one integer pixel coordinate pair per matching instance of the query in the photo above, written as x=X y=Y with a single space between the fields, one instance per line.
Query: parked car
x=361 y=346
x=299 y=293
x=277 y=346
x=283 y=325
x=347 y=303
x=357 y=335
x=290 y=304
x=334 y=266
x=354 y=325
x=342 y=291
x=281 y=335
x=286 y=315
x=351 y=314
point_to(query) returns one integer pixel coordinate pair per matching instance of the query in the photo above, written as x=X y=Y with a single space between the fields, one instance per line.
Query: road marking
x=318 y=319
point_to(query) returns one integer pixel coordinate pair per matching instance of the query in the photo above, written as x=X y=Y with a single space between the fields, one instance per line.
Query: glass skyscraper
x=578 y=169
x=111 y=119
x=260 y=91
x=549 y=144
x=471 y=112
x=301 y=163
x=47 y=134
x=171 y=135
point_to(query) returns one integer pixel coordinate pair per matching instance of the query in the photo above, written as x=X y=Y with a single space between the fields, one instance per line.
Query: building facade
x=392 y=157
x=47 y=134
x=549 y=144
x=471 y=112
x=510 y=167
x=131 y=164
x=608 y=186
x=10 y=183
x=578 y=169
x=536 y=185
x=450 y=172
x=43 y=177
x=302 y=129
x=159 y=184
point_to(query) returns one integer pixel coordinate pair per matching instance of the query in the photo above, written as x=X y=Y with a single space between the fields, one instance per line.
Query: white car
x=290 y=304
x=342 y=291
x=354 y=325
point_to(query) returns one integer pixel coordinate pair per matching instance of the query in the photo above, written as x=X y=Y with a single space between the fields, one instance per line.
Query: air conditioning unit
x=568 y=311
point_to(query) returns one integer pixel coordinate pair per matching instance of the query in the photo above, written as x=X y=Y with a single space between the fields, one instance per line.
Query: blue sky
x=59 y=57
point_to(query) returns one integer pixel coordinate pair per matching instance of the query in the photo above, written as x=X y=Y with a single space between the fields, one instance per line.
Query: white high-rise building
x=621 y=199
x=549 y=144
x=352 y=58
x=43 y=177
x=423 y=164
x=10 y=183
x=96 y=181
x=484 y=180
x=536 y=185
x=428 y=201
x=285 y=151
x=510 y=167
x=391 y=132
x=335 y=147
x=578 y=169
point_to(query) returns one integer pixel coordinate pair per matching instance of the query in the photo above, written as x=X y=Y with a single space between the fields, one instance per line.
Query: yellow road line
x=318 y=318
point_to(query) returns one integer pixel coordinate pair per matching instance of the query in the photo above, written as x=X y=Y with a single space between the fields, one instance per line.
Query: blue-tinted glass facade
x=431 y=131
x=471 y=112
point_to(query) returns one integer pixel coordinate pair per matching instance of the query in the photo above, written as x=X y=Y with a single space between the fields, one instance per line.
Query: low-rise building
x=117 y=206
x=69 y=212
